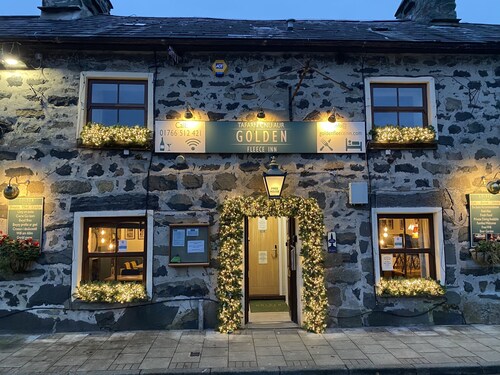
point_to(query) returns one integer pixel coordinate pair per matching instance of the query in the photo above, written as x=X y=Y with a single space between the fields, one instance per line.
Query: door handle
x=275 y=251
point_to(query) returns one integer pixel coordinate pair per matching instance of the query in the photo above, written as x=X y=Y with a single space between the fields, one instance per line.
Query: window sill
x=116 y=147
x=389 y=298
x=94 y=306
x=374 y=145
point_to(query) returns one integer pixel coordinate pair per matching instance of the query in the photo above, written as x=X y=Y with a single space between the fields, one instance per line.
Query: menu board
x=189 y=245
x=484 y=217
x=24 y=218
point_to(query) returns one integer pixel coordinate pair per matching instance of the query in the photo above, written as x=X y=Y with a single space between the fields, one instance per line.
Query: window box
x=18 y=254
x=115 y=137
x=486 y=253
x=111 y=292
x=400 y=137
x=409 y=288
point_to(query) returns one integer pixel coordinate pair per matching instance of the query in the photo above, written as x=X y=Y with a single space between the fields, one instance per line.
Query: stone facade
x=38 y=141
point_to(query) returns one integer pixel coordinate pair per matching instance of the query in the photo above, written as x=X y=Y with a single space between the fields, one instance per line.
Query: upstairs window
x=401 y=112
x=117 y=102
x=399 y=104
x=116 y=98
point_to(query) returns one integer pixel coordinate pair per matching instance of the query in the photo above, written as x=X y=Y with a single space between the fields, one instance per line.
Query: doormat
x=270 y=305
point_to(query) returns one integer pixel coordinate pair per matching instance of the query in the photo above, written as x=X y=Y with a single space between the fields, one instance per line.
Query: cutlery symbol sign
x=325 y=144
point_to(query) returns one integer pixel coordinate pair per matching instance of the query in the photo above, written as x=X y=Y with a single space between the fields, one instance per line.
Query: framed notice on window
x=189 y=245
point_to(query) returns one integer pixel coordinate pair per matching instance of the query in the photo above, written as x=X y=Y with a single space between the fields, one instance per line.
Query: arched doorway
x=271 y=264
x=231 y=273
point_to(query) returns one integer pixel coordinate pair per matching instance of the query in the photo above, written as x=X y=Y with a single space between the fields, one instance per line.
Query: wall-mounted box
x=358 y=193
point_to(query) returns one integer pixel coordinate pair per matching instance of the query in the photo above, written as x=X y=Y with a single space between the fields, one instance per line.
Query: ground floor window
x=406 y=244
x=114 y=249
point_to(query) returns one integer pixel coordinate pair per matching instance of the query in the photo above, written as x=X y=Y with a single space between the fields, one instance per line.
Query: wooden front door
x=263 y=272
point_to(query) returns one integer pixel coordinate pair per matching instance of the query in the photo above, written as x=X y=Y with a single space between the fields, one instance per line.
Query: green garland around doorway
x=230 y=276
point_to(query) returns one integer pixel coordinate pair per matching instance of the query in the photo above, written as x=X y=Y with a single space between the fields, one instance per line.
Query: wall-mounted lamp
x=274 y=179
x=12 y=191
x=11 y=59
x=188 y=114
x=493 y=187
x=261 y=114
x=333 y=117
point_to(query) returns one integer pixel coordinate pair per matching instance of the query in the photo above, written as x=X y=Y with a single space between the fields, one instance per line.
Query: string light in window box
x=397 y=137
x=414 y=287
x=111 y=292
x=95 y=135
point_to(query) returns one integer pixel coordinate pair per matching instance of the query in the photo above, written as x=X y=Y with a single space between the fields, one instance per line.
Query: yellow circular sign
x=219 y=67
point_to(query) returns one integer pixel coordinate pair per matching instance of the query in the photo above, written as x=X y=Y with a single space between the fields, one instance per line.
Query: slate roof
x=210 y=33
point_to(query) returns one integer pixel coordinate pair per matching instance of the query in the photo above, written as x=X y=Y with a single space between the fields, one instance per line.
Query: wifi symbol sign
x=193 y=142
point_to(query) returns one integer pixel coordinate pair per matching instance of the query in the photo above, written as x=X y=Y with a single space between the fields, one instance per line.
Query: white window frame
x=78 y=234
x=437 y=232
x=431 y=97
x=84 y=80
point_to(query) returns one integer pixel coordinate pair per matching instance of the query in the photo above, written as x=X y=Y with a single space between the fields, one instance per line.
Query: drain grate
x=194 y=354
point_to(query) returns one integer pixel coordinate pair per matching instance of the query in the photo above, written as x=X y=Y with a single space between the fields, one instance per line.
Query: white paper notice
x=192 y=232
x=262 y=223
x=398 y=242
x=262 y=257
x=122 y=245
x=197 y=246
x=387 y=262
x=178 y=237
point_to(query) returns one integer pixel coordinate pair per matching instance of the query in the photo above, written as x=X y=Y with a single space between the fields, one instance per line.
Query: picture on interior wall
x=130 y=234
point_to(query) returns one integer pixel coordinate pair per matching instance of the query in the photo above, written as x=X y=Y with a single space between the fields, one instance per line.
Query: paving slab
x=471 y=349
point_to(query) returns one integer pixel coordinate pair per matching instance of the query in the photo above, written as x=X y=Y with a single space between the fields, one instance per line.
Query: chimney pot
x=443 y=11
x=289 y=24
x=74 y=9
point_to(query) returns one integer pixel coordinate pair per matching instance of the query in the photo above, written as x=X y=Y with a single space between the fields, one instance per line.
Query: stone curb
x=417 y=369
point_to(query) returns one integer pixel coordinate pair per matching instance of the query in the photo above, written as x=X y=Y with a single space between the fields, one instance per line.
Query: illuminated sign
x=484 y=217
x=24 y=218
x=244 y=137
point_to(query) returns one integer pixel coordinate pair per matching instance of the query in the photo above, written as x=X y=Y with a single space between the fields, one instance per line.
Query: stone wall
x=38 y=140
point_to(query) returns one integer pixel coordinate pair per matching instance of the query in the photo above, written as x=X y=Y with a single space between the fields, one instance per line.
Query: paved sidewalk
x=472 y=349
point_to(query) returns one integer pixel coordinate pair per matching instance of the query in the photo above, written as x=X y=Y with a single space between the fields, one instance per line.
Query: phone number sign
x=180 y=136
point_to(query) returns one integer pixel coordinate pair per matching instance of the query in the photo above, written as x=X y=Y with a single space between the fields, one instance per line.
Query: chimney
x=74 y=9
x=436 y=11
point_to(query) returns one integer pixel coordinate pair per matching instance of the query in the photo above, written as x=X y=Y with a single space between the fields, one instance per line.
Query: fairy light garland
x=98 y=135
x=415 y=287
x=111 y=292
x=230 y=277
x=401 y=134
